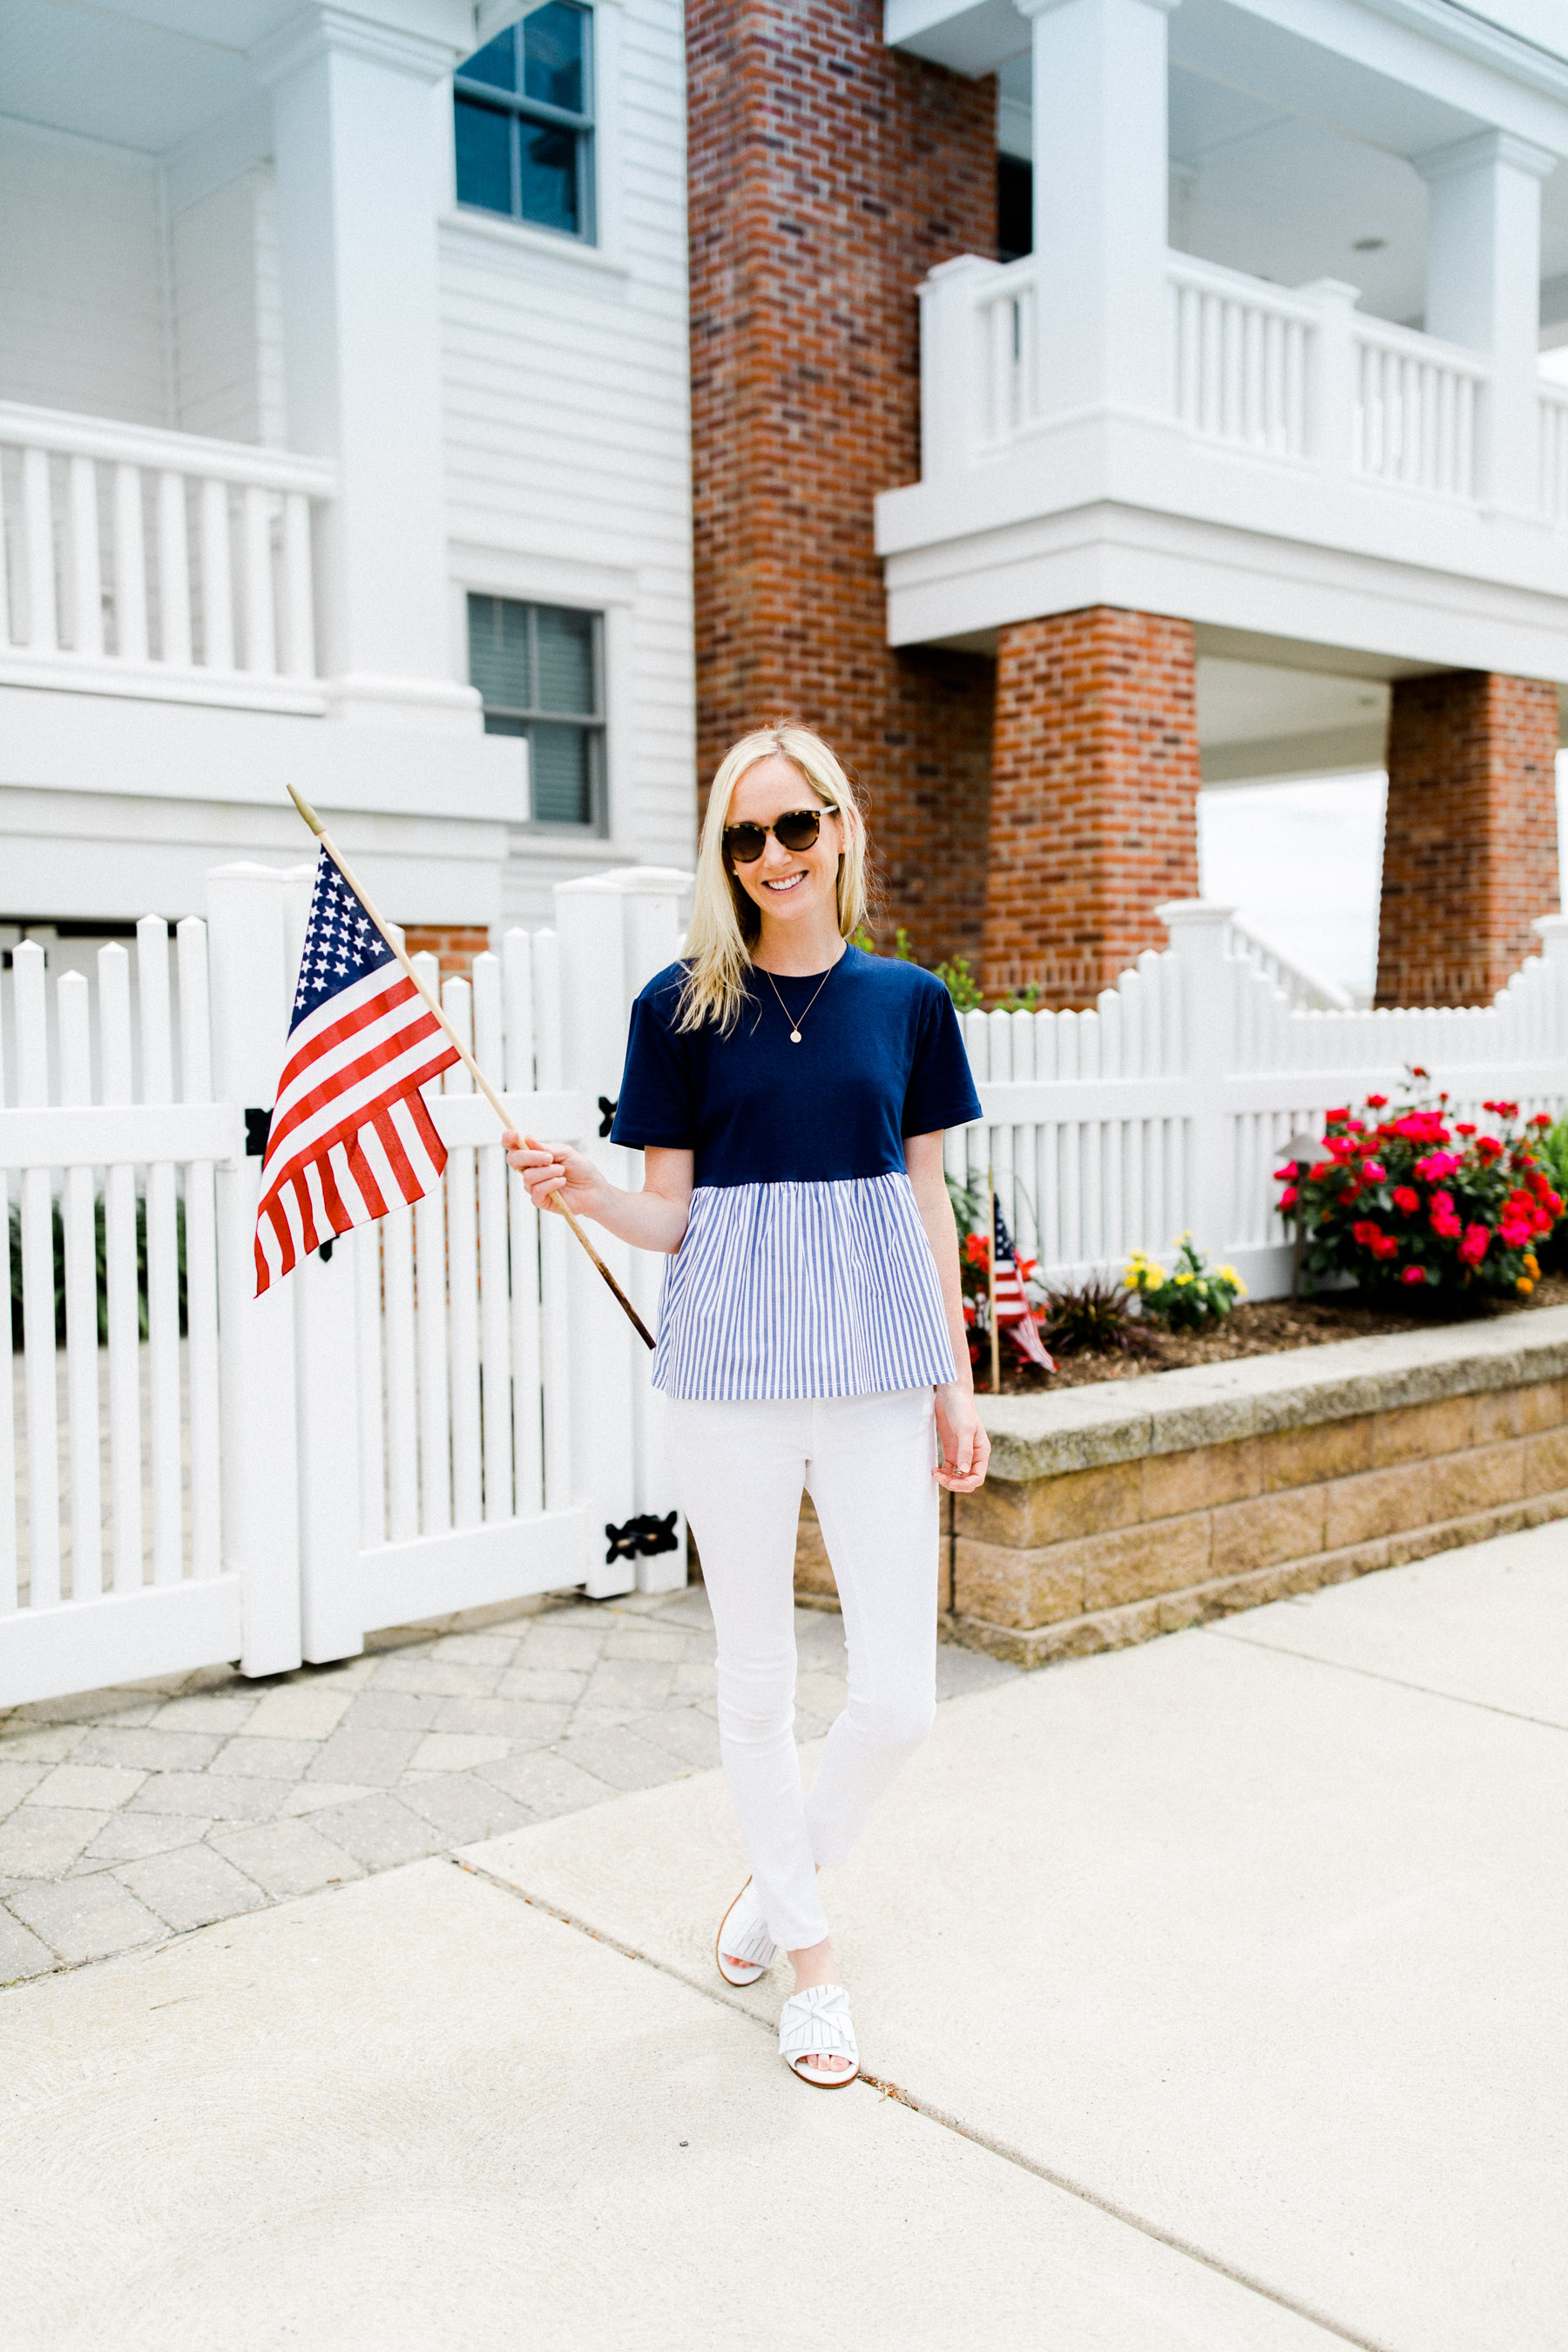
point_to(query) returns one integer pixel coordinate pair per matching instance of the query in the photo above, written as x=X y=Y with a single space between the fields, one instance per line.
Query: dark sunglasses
x=796 y=830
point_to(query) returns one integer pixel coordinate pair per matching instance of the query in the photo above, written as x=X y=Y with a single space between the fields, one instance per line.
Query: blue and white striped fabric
x=802 y=1290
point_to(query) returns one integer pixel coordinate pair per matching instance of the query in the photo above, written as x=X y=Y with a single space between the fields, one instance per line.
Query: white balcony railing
x=1299 y=376
x=1238 y=355
x=1555 y=450
x=152 y=563
x=1418 y=405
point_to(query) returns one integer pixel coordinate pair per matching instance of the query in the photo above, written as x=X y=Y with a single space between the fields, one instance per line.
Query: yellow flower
x=1524 y=1286
x=1183 y=1278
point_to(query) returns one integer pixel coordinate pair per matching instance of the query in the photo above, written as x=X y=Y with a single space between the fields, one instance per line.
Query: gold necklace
x=784 y=1008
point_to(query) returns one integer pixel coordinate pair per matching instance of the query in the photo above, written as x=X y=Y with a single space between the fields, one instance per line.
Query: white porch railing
x=1299 y=376
x=1555 y=450
x=1238 y=355
x=1301 y=987
x=1417 y=409
x=155 y=564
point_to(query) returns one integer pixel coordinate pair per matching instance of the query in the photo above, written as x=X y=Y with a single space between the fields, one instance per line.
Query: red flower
x=977 y=1249
x=1373 y=1170
x=1316 y=1174
x=1385 y=1245
x=1464 y=1127
x=1436 y=1165
x=1488 y=1147
x=1412 y=1274
x=1335 y=1118
x=1515 y=1232
x=1473 y=1248
x=1366 y=1233
x=1289 y=1197
x=1416 y=1071
x=1407 y=1198
x=1542 y=1119
x=1376 y=1102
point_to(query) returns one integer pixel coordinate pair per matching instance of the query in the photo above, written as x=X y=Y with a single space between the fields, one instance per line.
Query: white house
x=343 y=439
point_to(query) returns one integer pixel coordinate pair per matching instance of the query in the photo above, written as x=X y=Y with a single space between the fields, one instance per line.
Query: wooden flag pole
x=478 y=1075
x=991 y=1281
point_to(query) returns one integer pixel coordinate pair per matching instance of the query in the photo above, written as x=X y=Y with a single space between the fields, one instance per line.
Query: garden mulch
x=1268 y=1327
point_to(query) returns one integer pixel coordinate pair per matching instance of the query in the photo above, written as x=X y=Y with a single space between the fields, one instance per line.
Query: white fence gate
x=450 y=1408
x=442 y=1411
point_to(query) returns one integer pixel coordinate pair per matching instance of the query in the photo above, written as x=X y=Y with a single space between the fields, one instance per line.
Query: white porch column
x=1483 y=290
x=356 y=153
x=1101 y=191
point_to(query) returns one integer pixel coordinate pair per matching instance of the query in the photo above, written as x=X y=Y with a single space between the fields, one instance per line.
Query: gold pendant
x=794 y=1036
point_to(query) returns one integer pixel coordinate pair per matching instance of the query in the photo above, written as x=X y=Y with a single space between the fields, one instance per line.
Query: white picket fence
x=450 y=1410
x=1166 y=1106
x=446 y=1410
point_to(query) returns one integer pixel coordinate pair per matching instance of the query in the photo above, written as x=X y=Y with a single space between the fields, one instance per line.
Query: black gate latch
x=258 y=1128
x=641 y=1537
x=607 y=1115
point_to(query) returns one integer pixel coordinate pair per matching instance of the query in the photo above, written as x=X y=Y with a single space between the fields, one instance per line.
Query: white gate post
x=251 y=984
x=614 y=931
x=1199 y=930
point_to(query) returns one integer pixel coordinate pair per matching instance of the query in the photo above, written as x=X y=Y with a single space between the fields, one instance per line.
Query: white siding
x=227 y=334
x=568 y=447
x=80 y=277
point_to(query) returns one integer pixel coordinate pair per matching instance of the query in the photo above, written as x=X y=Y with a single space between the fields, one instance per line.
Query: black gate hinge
x=642 y=1537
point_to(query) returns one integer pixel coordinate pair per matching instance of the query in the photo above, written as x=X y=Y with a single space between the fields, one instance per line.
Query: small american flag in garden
x=351 y=1136
x=1013 y=1308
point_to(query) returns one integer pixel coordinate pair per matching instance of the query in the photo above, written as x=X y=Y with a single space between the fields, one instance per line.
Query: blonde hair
x=725 y=922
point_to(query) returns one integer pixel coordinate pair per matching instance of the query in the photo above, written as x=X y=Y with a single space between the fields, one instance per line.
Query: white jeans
x=739 y=1468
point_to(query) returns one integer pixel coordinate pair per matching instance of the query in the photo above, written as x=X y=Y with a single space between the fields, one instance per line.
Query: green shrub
x=1094 y=1317
x=1191 y=1295
x=58 y=1224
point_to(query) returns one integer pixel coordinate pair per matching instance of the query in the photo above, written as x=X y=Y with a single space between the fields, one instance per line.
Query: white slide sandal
x=816 y=2024
x=744 y=1937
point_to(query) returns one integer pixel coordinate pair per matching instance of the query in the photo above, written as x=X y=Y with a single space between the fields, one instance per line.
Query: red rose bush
x=1411 y=1201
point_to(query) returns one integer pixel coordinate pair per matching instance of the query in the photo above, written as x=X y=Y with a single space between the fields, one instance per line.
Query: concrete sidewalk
x=1223 y=1976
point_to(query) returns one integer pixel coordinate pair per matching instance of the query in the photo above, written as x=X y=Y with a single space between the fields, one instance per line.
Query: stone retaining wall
x=1132 y=1508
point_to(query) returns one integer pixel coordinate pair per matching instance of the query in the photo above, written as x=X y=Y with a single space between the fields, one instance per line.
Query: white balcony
x=1311 y=472
x=159 y=565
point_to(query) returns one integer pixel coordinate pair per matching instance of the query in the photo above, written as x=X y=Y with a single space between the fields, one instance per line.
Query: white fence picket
x=81 y=1304
x=163 y=1257
x=463 y=1283
x=37 y=1290
x=121 y=1285
x=201 y=1260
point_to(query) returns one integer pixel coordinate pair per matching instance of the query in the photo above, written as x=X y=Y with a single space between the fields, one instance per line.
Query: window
x=525 y=122
x=540 y=672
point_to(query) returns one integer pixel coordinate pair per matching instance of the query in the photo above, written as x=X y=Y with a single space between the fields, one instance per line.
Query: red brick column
x=827 y=173
x=1093 y=797
x=456 y=946
x=1470 y=853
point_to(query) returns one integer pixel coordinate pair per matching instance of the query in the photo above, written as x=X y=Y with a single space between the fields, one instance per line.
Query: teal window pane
x=552 y=49
x=567 y=662
x=496 y=725
x=547 y=183
x=498 y=652
x=483 y=138
x=496 y=63
x=559 y=758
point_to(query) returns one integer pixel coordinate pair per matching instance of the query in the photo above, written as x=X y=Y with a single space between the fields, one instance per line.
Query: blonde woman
x=789 y=1092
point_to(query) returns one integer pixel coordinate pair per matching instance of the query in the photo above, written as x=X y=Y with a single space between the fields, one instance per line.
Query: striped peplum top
x=804 y=1270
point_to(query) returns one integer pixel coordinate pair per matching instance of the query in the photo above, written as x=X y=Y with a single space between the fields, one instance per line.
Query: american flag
x=1013 y=1308
x=350 y=1135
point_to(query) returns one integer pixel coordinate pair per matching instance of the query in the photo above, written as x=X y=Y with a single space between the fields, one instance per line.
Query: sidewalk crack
x=887 y=2089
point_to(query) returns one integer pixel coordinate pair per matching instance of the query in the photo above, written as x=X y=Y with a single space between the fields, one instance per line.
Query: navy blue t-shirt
x=881 y=1057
